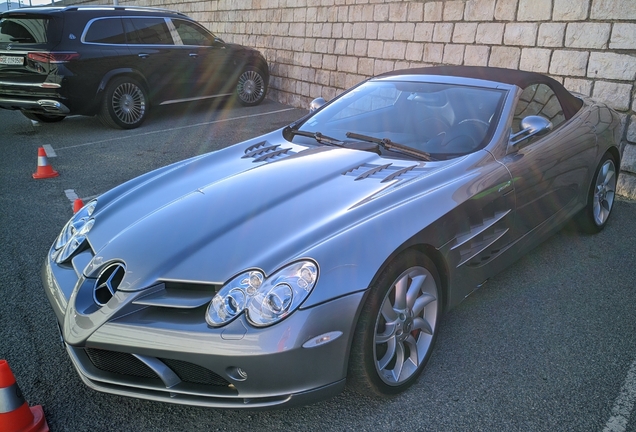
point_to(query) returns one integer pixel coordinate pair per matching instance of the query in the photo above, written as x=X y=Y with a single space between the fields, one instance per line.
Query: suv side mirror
x=316 y=103
x=531 y=126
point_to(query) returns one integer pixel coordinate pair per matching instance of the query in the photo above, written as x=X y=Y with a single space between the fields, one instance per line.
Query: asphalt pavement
x=547 y=345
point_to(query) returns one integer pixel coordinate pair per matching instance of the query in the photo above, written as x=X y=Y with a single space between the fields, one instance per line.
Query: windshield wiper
x=392 y=146
x=20 y=39
x=322 y=139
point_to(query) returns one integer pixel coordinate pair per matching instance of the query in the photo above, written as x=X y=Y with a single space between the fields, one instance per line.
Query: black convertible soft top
x=522 y=79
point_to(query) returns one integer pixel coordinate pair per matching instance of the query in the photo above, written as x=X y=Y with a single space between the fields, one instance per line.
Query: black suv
x=116 y=62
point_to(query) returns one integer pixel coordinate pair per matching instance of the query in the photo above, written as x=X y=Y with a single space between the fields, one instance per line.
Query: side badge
x=72 y=36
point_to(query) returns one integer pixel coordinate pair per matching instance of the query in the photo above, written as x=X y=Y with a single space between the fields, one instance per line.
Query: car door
x=152 y=52
x=549 y=171
x=209 y=62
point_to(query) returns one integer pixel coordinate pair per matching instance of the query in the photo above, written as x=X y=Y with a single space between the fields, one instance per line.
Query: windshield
x=440 y=119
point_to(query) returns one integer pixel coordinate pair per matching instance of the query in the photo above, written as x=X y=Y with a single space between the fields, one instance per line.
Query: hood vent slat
x=258 y=149
x=372 y=171
x=263 y=151
x=271 y=155
x=398 y=173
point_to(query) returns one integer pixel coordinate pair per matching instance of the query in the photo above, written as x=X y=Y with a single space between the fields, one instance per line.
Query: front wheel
x=600 y=200
x=125 y=104
x=397 y=327
x=251 y=87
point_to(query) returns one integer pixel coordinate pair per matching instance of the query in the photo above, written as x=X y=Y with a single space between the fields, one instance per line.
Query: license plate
x=11 y=60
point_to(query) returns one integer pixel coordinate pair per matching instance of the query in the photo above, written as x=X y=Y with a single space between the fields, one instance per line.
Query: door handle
x=194 y=55
x=143 y=55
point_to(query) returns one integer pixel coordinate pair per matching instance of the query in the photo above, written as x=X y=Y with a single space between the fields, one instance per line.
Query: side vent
x=477 y=246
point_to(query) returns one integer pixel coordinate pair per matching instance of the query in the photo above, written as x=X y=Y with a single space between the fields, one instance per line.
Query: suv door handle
x=143 y=55
x=194 y=55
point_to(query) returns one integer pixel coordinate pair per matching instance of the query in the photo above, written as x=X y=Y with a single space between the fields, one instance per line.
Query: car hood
x=253 y=205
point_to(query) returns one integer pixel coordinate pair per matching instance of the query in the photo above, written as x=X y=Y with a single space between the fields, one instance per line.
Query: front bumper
x=174 y=356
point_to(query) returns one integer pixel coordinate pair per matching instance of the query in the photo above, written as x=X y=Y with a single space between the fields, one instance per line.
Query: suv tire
x=125 y=104
x=251 y=86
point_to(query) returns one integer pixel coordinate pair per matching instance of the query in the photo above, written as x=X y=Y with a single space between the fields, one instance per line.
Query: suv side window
x=105 y=31
x=147 y=31
x=192 y=34
x=538 y=99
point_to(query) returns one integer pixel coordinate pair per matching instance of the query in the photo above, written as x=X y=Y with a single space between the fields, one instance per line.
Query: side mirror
x=531 y=126
x=316 y=103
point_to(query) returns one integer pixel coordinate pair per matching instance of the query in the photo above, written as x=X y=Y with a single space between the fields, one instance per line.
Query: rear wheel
x=600 y=200
x=44 y=118
x=251 y=87
x=397 y=327
x=125 y=104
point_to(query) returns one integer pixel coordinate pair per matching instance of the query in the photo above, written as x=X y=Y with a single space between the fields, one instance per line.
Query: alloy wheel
x=604 y=192
x=129 y=103
x=405 y=325
x=250 y=87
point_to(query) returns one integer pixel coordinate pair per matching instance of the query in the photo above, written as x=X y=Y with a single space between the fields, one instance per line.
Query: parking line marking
x=624 y=403
x=49 y=150
x=176 y=128
x=71 y=195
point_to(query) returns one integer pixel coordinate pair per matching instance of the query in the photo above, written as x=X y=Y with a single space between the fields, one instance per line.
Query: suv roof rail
x=130 y=8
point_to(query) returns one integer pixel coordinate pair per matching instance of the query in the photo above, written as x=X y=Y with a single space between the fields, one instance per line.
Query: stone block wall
x=321 y=47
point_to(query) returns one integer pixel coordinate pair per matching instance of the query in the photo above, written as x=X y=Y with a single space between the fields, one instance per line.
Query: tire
x=44 y=118
x=395 y=334
x=600 y=200
x=251 y=87
x=125 y=104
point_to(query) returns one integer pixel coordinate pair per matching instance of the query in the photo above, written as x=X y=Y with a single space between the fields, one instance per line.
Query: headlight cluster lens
x=74 y=232
x=266 y=300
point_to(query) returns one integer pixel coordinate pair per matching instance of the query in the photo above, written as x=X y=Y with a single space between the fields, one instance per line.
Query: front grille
x=119 y=363
x=128 y=364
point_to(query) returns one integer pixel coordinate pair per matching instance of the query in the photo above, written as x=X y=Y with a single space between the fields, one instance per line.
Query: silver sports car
x=274 y=271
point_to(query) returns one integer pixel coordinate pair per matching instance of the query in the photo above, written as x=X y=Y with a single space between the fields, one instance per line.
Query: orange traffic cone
x=15 y=414
x=44 y=169
x=77 y=205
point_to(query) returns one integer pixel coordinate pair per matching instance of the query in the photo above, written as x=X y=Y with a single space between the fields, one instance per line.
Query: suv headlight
x=265 y=300
x=74 y=232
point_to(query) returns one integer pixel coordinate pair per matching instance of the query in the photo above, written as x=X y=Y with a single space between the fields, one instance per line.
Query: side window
x=538 y=99
x=147 y=31
x=105 y=31
x=192 y=34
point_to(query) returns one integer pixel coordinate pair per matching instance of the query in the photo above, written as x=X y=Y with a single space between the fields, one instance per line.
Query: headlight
x=266 y=300
x=74 y=232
